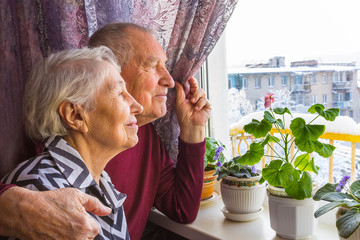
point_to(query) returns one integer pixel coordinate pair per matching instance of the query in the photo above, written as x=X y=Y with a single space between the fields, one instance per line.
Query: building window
x=284 y=80
x=324 y=80
x=257 y=82
x=335 y=77
x=351 y=113
x=340 y=97
x=348 y=96
x=298 y=80
x=245 y=83
x=314 y=78
x=324 y=99
x=314 y=99
x=271 y=81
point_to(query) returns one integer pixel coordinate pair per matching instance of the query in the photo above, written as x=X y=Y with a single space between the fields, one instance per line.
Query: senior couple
x=86 y=109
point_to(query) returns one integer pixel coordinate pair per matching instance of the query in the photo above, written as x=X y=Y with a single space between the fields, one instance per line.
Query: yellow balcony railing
x=239 y=137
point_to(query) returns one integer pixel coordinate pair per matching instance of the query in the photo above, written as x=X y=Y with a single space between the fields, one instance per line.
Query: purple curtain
x=31 y=29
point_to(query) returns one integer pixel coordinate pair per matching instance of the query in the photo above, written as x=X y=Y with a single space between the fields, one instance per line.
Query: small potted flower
x=213 y=156
x=289 y=179
x=241 y=190
x=347 y=198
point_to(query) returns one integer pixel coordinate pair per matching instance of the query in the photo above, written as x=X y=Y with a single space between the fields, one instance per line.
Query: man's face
x=146 y=76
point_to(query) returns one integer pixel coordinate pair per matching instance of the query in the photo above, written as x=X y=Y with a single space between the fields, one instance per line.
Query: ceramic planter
x=242 y=195
x=290 y=218
x=208 y=185
x=356 y=234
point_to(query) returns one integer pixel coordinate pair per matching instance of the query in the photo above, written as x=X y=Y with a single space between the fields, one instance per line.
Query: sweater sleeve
x=180 y=187
x=4 y=187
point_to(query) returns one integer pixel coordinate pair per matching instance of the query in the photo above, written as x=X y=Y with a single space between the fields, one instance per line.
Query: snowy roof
x=292 y=69
x=342 y=124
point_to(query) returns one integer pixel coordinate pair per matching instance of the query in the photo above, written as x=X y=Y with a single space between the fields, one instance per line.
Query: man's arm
x=55 y=214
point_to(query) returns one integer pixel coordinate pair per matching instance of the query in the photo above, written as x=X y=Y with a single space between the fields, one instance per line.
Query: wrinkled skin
x=58 y=214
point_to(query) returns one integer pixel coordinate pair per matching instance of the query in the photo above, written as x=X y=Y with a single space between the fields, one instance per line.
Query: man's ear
x=73 y=116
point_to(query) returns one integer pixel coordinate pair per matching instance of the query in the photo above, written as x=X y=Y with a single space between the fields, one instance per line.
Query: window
x=284 y=80
x=324 y=99
x=298 y=80
x=335 y=77
x=340 y=97
x=351 y=113
x=348 y=96
x=271 y=81
x=314 y=78
x=245 y=83
x=324 y=80
x=258 y=82
x=314 y=99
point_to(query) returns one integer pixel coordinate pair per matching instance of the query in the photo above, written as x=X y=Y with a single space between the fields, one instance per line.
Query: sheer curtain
x=32 y=29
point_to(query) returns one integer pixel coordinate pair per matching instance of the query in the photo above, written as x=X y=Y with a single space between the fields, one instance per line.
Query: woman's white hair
x=71 y=75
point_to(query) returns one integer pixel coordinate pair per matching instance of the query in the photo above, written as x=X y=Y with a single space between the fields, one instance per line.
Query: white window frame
x=245 y=83
x=271 y=81
x=324 y=98
x=324 y=78
x=258 y=82
x=284 y=80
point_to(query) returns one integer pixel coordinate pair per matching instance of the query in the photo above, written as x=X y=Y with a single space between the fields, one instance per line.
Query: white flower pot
x=242 y=195
x=291 y=218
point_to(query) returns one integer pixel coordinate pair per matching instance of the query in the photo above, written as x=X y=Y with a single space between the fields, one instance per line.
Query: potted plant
x=347 y=198
x=290 y=183
x=213 y=155
x=241 y=190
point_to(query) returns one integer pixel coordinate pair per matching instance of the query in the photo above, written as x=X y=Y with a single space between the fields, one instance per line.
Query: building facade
x=333 y=85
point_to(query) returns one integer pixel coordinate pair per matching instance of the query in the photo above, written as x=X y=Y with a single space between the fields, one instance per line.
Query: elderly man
x=174 y=191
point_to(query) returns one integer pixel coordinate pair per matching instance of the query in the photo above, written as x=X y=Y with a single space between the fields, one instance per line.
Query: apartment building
x=333 y=85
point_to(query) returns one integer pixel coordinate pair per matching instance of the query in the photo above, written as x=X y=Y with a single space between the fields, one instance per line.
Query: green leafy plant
x=234 y=169
x=341 y=194
x=214 y=154
x=291 y=173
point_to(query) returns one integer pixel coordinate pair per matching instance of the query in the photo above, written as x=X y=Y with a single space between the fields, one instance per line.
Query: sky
x=325 y=30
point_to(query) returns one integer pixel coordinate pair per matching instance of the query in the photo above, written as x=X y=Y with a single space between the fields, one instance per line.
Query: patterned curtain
x=198 y=26
x=32 y=29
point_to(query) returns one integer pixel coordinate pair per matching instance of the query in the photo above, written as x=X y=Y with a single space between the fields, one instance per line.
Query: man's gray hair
x=71 y=75
x=116 y=37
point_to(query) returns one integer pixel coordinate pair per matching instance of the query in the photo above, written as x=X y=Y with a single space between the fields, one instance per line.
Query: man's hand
x=193 y=111
x=55 y=214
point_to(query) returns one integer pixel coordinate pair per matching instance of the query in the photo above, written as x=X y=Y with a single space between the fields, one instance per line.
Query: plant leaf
x=327 y=188
x=269 y=117
x=253 y=155
x=300 y=189
x=303 y=163
x=336 y=196
x=349 y=222
x=282 y=111
x=326 y=151
x=355 y=188
x=305 y=131
x=258 y=129
x=316 y=108
x=327 y=207
x=308 y=145
x=277 y=173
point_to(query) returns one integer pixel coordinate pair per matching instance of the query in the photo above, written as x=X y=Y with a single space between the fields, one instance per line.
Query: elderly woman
x=76 y=102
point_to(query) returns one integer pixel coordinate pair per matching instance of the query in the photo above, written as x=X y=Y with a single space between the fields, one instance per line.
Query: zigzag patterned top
x=61 y=166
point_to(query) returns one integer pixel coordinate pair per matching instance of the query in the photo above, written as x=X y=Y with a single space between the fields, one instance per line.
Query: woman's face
x=113 y=124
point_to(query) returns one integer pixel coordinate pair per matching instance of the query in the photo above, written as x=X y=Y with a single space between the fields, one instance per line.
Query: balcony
x=343 y=105
x=341 y=85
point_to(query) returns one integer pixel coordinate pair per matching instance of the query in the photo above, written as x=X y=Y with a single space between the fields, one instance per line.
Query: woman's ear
x=73 y=116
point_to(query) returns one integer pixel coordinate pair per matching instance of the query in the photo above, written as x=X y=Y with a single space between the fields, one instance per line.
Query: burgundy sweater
x=146 y=174
x=3 y=187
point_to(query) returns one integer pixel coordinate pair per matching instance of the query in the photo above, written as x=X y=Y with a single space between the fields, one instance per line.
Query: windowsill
x=211 y=224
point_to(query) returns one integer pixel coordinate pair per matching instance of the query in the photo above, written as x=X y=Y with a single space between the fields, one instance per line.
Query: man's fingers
x=180 y=94
x=92 y=204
